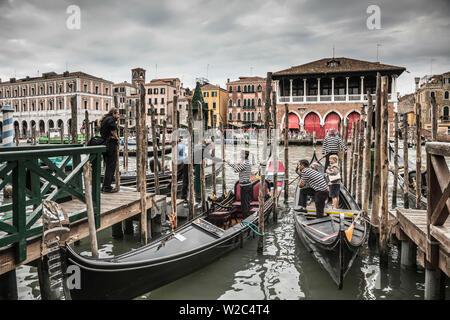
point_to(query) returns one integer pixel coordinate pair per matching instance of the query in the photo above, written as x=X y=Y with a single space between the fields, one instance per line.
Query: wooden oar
x=349 y=231
x=299 y=176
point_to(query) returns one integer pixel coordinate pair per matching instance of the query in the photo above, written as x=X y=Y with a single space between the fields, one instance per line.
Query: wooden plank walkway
x=413 y=223
x=115 y=207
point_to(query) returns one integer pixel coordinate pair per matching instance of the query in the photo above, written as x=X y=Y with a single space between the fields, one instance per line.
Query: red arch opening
x=332 y=121
x=352 y=117
x=312 y=123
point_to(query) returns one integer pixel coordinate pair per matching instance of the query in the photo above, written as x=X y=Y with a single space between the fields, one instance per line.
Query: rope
x=7 y=218
x=247 y=224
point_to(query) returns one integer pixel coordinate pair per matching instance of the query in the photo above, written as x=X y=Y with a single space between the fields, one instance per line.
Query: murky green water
x=285 y=270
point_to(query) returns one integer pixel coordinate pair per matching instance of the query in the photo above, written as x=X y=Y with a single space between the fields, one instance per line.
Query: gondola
x=219 y=230
x=412 y=178
x=325 y=237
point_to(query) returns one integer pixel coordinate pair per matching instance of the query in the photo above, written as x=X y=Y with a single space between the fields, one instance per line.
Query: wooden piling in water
x=163 y=147
x=202 y=164
x=376 y=187
x=191 y=160
x=141 y=171
x=90 y=210
x=155 y=147
x=286 y=153
x=86 y=128
x=117 y=173
x=352 y=153
x=395 y=182
x=125 y=141
x=355 y=159
x=384 y=232
x=345 y=160
x=224 y=182
x=361 y=158
x=8 y=286
x=174 y=186
x=138 y=144
x=419 y=156
x=434 y=121
x=73 y=121
x=213 y=153
x=405 y=164
x=368 y=155
x=275 y=157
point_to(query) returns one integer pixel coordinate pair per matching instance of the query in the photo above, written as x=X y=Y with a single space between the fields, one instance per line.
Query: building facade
x=160 y=93
x=246 y=99
x=323 y=93
x=45 y=101
x=437 y=86
x=215 y=98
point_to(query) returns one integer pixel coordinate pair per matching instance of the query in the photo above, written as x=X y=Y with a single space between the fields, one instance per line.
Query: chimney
x=66 y=74
x=12 y=80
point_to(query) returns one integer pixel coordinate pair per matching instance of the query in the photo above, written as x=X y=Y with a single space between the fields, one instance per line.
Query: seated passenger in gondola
x=314 y=184
x=244 y=168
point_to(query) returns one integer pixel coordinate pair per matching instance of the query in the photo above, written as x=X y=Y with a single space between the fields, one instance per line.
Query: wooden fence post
x=87 y=129
x=434 y=122
x=90 y=210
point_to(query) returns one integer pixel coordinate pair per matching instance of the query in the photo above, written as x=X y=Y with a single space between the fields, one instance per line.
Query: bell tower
x=138 y=76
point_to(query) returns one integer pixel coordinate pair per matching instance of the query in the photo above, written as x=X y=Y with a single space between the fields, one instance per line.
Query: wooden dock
x=411 y=225
x=115 y=207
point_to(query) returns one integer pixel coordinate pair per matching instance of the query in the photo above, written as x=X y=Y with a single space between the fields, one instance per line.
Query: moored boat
x=335 y=239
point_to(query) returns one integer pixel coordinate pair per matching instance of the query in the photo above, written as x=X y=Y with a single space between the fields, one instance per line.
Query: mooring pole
x=163 y=147
x=275 y=157
x=405 y=164
x=361 y=157
x=117 y=177
x=376 y=187
x=367 y=156
x=213 y=153
x=155 y=148
x=8 y=286
x=434 y=123
x=261 y=196
x=191 y=160
x=142 y=136
x=125 y=141
x=86 y=129
x=224 y=181
x=286 y=153
x=174 y=186
x=395 y=182
x=73 y=121
x=345 y=164
x=419 y=156
x=352 y=157
x=384 y=175
x=202 y=164
x=90 y=210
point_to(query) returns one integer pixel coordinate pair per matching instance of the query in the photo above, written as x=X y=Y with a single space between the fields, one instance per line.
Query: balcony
x=326 y=99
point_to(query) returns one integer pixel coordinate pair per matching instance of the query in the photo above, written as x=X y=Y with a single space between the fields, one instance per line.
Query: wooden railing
x=438 y=197
x=34 y=176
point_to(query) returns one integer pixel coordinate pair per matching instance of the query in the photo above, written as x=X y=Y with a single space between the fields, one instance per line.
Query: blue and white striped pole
x=8 y=129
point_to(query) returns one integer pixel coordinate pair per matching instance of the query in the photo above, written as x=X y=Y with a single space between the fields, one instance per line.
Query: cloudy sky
x=219 y=39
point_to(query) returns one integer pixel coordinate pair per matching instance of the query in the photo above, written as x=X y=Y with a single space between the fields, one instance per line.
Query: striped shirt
x=245 y=171
x=314 y=179
x=333 y=144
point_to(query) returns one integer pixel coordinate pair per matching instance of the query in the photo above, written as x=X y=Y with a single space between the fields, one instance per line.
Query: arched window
x=230 y=89
x=245 y=88
x=253 y=116
x=446 y=113
x=253 y=102
x=245 y=102
x=259 y=116
x=446 y=95
x=253 y=88
x=433 y=94
x=259 y=102
x=239 y=102
x=231 y=116
x=239 y=89
x=245 y=116
x=259 y=88
x=249 y=102
x=239 y=116
x=230 y=103
x=51 y=105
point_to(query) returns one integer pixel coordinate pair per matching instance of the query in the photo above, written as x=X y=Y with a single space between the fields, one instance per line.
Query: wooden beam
x=441 y=234
x=439 y=215
x=438 y=148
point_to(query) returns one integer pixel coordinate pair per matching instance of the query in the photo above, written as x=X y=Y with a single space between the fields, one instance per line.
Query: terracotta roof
x=54 y=75
x=248 y=79
x=166 y=81
x=209 y=86
x=124 y=84
x=340 y=65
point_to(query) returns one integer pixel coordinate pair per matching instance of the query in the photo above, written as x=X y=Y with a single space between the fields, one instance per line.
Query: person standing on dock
x=244 y=168
x=334 y=178
x=331 y=146
x=109 y=132
x=312 y=183
x=184 y=169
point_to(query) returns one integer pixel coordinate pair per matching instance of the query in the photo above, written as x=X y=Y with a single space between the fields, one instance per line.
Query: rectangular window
x=156 y=100
x=85 y=104
x=162 y=100
x=214 y=105
x=163 y=90
x=155 y=91
x=149 y=91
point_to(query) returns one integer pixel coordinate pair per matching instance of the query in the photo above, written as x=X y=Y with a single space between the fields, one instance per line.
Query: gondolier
x=312 y=183
x=331 y=145
x=244 y=168
x=109 y=132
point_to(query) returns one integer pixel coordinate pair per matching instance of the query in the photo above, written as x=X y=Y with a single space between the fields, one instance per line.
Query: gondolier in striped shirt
x=331 y=145
x=312 y=183
x=244 y=168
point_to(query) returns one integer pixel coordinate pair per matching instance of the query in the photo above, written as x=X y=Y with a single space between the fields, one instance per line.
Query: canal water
x=285 y=270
